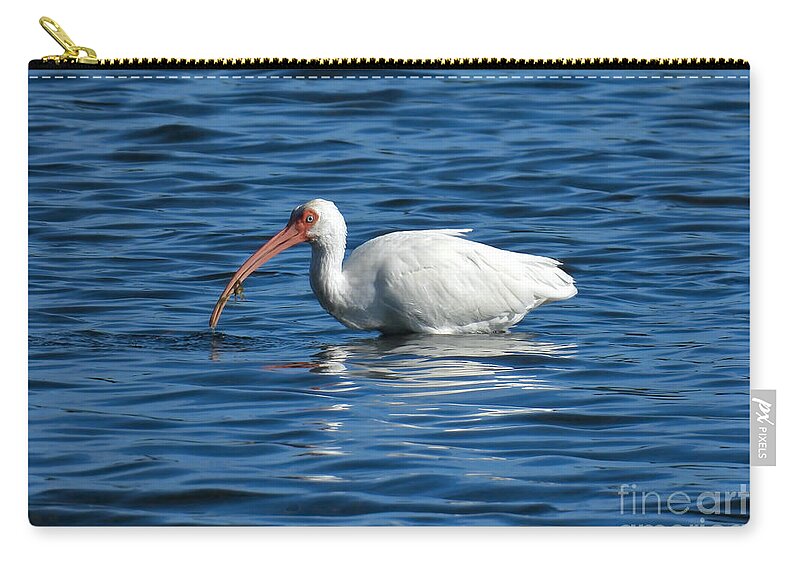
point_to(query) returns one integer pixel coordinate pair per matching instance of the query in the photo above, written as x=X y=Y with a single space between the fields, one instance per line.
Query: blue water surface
x=148 y=189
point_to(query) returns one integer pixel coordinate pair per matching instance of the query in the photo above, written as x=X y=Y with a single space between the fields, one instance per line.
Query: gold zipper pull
x=72 y=53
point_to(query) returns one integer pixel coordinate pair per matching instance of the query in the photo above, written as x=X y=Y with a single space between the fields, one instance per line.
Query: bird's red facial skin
x=305 y=221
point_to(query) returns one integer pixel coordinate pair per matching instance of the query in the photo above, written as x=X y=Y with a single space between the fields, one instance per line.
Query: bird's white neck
x=327 y=279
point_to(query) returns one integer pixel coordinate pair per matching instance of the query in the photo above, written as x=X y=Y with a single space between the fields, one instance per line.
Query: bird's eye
x=309 y=219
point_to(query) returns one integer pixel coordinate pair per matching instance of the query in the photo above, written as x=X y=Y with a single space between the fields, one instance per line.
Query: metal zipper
x=79 y=57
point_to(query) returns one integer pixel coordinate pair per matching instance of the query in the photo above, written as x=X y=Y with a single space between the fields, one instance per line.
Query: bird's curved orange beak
x=291 y=235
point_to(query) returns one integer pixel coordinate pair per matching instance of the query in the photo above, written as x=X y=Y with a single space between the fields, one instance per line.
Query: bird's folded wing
x=439 y=277
x=443 y=232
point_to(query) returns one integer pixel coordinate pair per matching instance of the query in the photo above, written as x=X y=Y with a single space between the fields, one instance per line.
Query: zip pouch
x=519 y=292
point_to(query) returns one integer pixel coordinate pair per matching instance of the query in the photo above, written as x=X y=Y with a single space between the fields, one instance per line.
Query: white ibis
x=428 y=281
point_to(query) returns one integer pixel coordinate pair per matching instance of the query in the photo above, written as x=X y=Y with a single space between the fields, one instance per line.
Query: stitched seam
x=393 y=77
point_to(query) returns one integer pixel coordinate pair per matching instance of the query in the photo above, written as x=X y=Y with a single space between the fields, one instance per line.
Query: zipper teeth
x=377 y=63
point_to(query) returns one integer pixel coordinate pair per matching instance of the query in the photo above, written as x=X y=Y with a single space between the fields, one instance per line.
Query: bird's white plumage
x=429 y=281
x=435 y=281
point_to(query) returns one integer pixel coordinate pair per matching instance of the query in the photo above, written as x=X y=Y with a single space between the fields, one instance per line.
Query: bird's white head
x=317 y=222
x=323 y=224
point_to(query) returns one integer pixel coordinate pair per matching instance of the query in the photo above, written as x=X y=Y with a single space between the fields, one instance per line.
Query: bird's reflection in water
x=442 y=363
x=214 y=348
x=441 y=387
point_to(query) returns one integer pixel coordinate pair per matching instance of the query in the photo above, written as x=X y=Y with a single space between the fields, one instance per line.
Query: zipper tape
x=381 y=63
x=79 y=57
